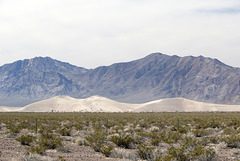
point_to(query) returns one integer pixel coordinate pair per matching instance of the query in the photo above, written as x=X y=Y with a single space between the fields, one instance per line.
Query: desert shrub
x=145 y=152
x=155 y=141
x=214 y=139
x=50 y=141
x=123 y=140
x=183 y=153
x=155 y=138
x=96 y=139
x=137 y=139
x=26 y=140
x=79 y=126
x=14 y=129
x=106 y=150
x=60 y=158
x=232 y=141
x=171 y=137
x=214 y=124
x=190 y=142
x=36 y=150
x=229 y=131
x=233 y=122
x=176 y=154
x=144 y=124
x=183 y=129
x=64 y=131
x=200 y=132
x=202 y=154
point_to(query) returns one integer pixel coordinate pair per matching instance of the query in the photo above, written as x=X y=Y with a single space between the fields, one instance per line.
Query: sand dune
x=69 y=104
x=183 y=105
x=102 y=104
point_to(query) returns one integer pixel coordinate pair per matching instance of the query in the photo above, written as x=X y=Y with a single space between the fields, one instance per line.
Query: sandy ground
x=102 y=104
x=12 y=150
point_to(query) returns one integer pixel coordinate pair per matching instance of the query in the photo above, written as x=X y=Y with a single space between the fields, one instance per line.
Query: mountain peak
x=153 y=77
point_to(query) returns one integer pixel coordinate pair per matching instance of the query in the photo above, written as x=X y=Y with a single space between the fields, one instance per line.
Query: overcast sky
x=91 y=33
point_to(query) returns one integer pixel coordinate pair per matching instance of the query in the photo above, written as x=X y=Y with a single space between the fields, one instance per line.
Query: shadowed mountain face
x=153 y=77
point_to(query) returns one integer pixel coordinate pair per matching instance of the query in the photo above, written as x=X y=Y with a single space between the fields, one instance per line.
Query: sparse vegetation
x=26 y=140
x=179 y=136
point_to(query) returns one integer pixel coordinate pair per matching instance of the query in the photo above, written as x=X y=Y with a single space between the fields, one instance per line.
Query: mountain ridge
x=153 y=77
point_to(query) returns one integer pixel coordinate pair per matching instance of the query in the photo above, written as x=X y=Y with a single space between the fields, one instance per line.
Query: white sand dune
x=102 y=104
x=10 y=109
x=69 y=104
x=183 y=105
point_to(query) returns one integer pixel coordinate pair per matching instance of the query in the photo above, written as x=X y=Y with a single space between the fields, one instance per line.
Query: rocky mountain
x=26 y=81
x=153 y=77
x=161 y=76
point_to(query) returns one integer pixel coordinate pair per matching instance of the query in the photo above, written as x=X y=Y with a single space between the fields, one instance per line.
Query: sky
x=92 y=33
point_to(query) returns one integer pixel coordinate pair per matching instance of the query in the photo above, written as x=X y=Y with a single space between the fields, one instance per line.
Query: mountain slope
x=160 y=76
x=25 y=81
x=153 y=77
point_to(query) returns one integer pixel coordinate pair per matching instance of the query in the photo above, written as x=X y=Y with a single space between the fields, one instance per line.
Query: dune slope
x=102 y=104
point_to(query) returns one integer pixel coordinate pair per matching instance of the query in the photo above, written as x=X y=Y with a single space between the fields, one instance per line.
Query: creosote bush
x=50 y=141
x=96 y=139
x=150 y=136
x=26 y=140
x=123 y=140
x=232 y=141
x=145 y=152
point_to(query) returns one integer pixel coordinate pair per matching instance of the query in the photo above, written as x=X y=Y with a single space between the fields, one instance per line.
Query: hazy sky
x=90 y=33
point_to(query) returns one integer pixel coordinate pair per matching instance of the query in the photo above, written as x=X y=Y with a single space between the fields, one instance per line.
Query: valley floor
x=119 y=136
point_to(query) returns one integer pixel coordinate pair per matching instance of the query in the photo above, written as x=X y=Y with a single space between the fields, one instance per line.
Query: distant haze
x=93 y=33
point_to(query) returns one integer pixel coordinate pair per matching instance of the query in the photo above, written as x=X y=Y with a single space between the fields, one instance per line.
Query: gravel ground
x=12 y=150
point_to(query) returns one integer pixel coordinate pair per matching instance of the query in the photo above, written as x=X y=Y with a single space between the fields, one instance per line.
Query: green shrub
x=14 y=129
x=232 y=141
x=214 y=139
x=50 y=141
x=145 y=152
x=155 y=141
x=123 y=140
x=190 y=142
x=200 y=132
x=65 y=131
x=106 y=150
x=171 y=137
x=60 y=158
x=176 y=154
x=26 y=140
x=183 y=129
x=187 y=154
x=96 y=139
x=202 y=154
x=229 y=131
x=36 y=150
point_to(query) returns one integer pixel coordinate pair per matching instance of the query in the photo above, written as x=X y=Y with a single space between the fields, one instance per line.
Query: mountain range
x=153 y=77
